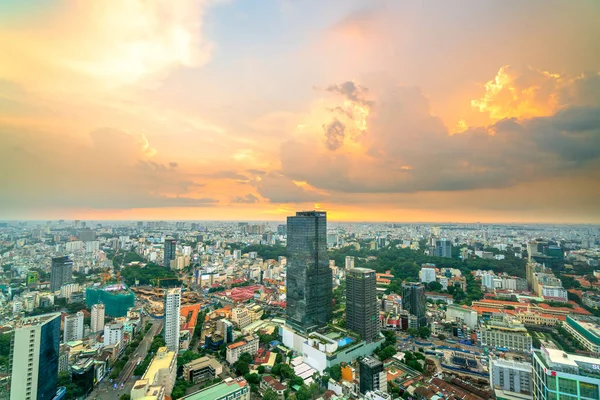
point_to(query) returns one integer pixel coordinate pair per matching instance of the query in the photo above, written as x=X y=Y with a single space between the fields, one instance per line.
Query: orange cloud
x=114 y=42
x=520 y=93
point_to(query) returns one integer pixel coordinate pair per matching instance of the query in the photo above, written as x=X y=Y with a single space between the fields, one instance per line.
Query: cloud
x=408 y=149
x=351 y=91
x=334 y=134
x=227 y=175
x=280 y=189
x=115 y=42
x=247 y=199
x=112 y=169
x=173 y=164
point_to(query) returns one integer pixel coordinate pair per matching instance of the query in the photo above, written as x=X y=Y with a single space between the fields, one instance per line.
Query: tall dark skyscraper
x=362 y=310
x=372 y=376
x=35 y=350
x=61 y=272
x=170 y=251
x=413 y=301
x=309 y=278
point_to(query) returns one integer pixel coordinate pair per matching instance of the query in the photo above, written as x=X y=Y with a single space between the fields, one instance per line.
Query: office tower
x=372 y=375
x=427 y=273
x=440 y=248
x=511 y=376
x=87 y=235
x=349 y=262
x=172 y=309
x=73 y=327
x=281 y=229
x=362 y=310
x=413 y=301
x=35 y=351
x=97 y=322
x=561 y=375
x=170 y=251
x=61 y=272
x=309 y=278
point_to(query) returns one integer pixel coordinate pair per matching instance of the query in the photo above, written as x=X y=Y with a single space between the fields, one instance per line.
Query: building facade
x=248 y=345
x=113 y=333
x=511 y=376
x=309 y=283
x=413 y=301
x=170 y=252
x=172 y=310
x=562 y=376
x=507 y=333
x=362 y=309
x=61 y=272
x=372 y=375
x=73 y=328
x=97 y=320
x=35 y=352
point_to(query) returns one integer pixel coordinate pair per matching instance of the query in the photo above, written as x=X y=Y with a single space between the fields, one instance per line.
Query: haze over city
x=454 y=111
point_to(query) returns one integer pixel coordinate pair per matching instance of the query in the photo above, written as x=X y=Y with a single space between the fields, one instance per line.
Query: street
x=105 y=389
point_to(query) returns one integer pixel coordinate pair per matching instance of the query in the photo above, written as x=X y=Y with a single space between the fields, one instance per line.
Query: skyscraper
x=35 y=351
x=170 y=251
x=440 y=248
x=61 y=272
x=172 y=309
x=73 y=327
x=372 y=375
x=413 y=301
x=309 y=278
x=97 y=320
x=362 y=310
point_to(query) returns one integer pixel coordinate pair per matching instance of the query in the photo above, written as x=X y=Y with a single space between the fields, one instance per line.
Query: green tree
x=261 y=369
x=270 y=394
x=434 y=286
x=441 y=336
x=252 y=378
x=242 y=367
x=424 y=332
x=246 y=357
x=125 y=397
x=335 y=372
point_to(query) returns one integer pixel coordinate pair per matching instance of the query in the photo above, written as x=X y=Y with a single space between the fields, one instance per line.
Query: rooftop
x=161 y=360
x=218 y=391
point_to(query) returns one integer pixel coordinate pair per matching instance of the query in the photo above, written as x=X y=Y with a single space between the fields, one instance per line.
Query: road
x=105 y=390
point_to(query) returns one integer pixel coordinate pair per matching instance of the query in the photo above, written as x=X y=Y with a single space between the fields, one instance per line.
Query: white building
x=555 y=292
x=68 y=289
x=248 y=345
x=349 y=262
x=113 y=333
x=427 y=274
x=35 y=372
x=97 y=322
x=172 y=310
x=462 y=314
x=511 y=376
x=240 y=317
x=92 y=246
x=73 y=327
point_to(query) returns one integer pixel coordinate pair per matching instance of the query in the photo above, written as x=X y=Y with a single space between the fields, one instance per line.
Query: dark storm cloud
x=350 y=91
x=334 y=134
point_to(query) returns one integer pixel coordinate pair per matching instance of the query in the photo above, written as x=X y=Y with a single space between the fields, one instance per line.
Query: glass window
x=589 y=390
x=567 y=386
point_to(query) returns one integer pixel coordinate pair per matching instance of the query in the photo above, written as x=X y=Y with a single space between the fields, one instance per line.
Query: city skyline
x=470 y=111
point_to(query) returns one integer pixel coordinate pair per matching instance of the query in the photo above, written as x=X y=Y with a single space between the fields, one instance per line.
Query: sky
x=374 y=110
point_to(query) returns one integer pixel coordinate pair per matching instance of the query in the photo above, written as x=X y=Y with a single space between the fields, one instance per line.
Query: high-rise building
x=440 y=248
x=427 y=273
x=170 y=251
x=61 y=272
x=113 y=333
x=372 y=375
x=35 y=352
x=73 y=327
x=413 y=301
x=560 y=375
x=362 y=310
x=172 y=310
x=309 y=278
x=87 y=235
x=349 y=263
x=510 y=376
x=97 y=321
